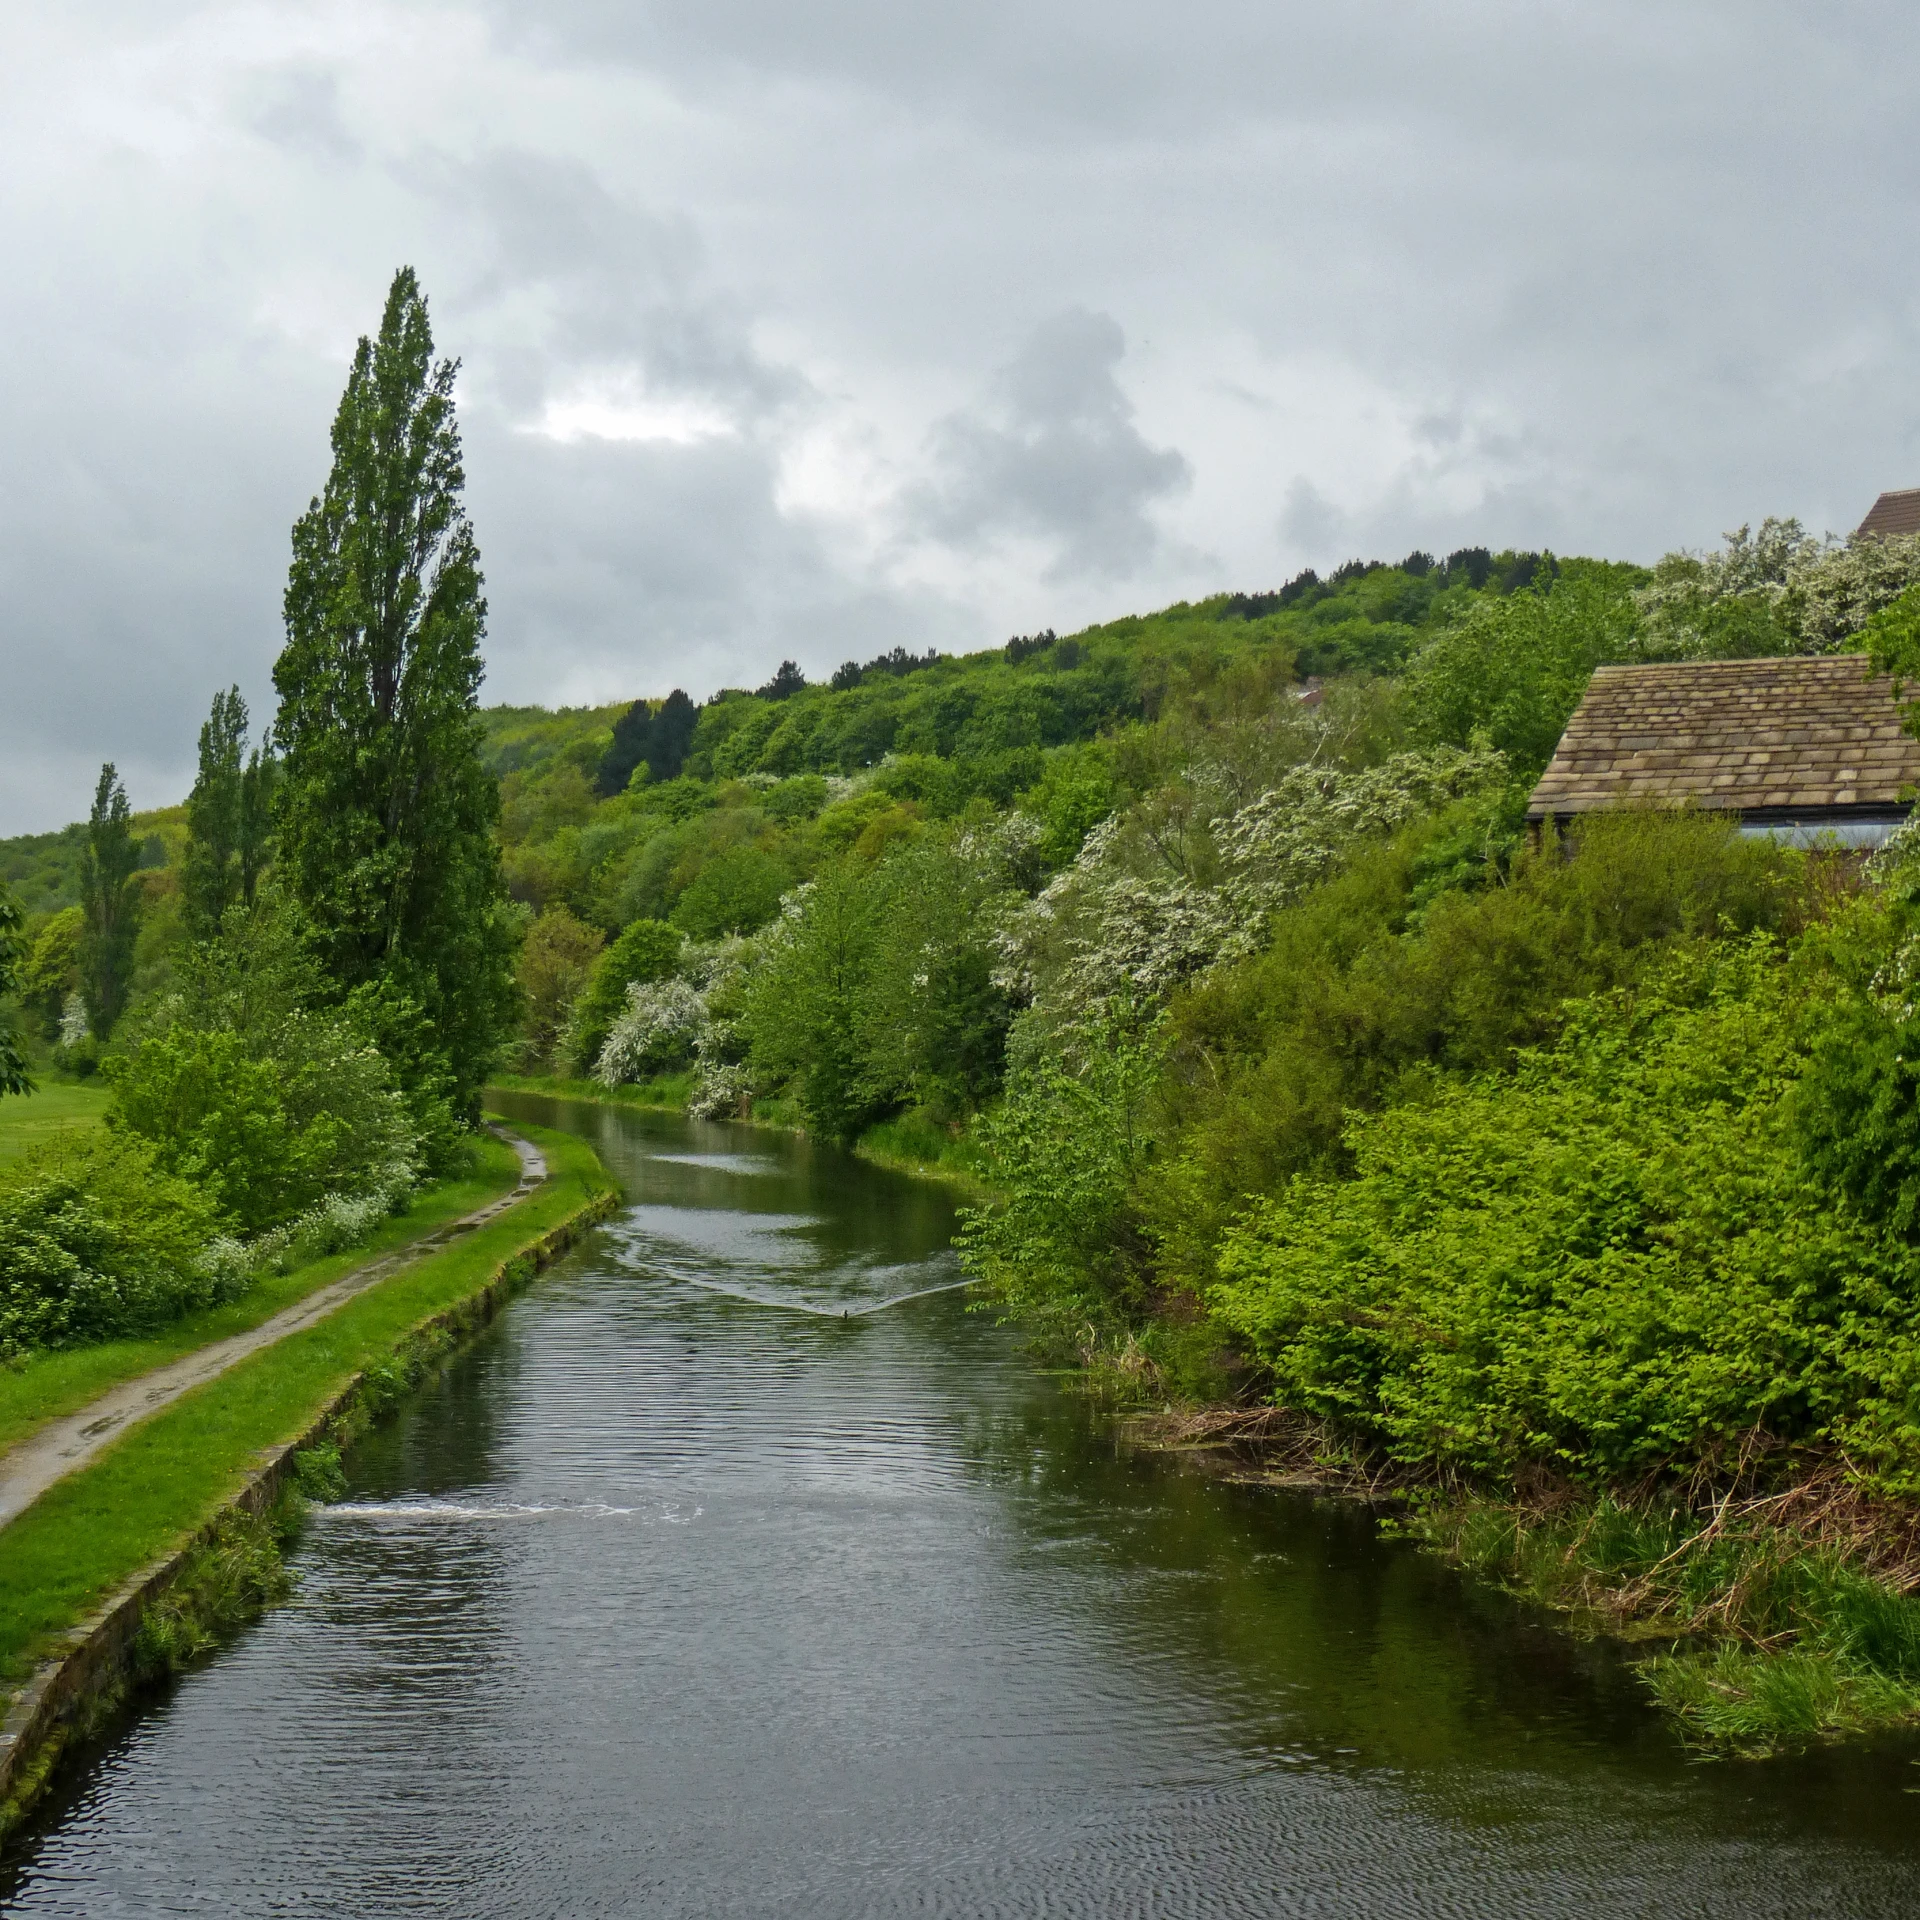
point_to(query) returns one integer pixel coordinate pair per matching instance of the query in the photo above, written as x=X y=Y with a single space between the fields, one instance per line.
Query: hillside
x=997 y=713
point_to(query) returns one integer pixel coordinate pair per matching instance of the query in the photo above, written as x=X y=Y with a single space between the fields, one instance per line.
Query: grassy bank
x=30 y=1120
x=1770 y=1619
x=915 y=1143
x=48 y=1385
x=1766 y=1606
x=668 y=1090
x=91 y=1533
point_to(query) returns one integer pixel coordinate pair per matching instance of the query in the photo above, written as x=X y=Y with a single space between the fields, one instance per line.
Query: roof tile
x=1741 y=734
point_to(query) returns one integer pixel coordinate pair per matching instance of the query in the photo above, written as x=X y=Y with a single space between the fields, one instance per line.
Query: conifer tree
x=107 y=864
x=386 y=812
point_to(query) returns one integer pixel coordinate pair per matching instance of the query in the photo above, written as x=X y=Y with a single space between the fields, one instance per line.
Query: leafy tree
x=805 y=1007
x=934 y=1019
x=648 y=950
x=52 y=971
x=1514 y=669
x=786 y=682
x=1892 y=639
x=386 y=811
x=107 y=899
x=735 y=893
x=14 y=1077
x=556 y=962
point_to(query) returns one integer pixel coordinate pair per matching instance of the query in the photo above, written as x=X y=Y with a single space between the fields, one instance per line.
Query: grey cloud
x=1310 y=522
x=298 y=109
x=1054 y=455
x=1607 y=278
x=625 y=287
x=636 y=568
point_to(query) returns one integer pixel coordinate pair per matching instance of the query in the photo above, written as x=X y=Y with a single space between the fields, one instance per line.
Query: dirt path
x=63 y=1445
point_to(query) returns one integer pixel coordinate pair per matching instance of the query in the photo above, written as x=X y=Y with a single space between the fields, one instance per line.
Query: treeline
x=705 y=818
x=293 y=1013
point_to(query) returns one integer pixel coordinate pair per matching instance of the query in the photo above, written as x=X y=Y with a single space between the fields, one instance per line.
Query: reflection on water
x=668 y=1599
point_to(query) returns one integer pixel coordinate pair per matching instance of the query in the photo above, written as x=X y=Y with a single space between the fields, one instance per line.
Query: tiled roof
x=1893 y=513
x=1760 y=736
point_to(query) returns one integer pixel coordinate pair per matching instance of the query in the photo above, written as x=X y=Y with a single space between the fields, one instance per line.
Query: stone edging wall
x=91 y=1673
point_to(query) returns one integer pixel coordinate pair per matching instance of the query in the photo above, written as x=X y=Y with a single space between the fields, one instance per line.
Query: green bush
x=1440 y=954
x=1610 y=1261
x=266 y=1124
x=1856 y=1112
x=1062 y=1248
x=97 y=1240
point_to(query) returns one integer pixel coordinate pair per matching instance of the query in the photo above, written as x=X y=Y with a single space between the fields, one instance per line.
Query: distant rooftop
x=1894 y=513
x=1774 y=740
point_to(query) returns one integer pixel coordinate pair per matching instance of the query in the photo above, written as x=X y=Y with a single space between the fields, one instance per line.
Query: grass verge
x=90 y=1534
x=914 y=1142
x=49 y=1385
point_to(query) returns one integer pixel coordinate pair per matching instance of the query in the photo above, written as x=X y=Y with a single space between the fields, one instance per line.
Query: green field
x=26 y=1120
x=87 y=1536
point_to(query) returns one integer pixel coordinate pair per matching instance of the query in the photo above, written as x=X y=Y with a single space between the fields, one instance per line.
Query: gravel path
x=65 y=1445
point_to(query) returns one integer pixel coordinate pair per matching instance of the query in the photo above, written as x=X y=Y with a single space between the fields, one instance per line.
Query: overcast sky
x=810 y=330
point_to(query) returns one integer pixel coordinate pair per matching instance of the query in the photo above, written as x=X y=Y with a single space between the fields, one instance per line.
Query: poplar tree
x=14 y=1077
x=386 y=811
x=210 y=873
x=229 y=818
x=107 y=864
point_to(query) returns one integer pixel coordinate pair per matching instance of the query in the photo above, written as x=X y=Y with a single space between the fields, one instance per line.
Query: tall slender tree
x=14 y=1077
x=107 y=898
x=229 y=818
x=386 y=812
x=210 y=874
x=253 y=846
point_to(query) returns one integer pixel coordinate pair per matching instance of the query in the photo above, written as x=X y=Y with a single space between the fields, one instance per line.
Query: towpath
x=63 y=1446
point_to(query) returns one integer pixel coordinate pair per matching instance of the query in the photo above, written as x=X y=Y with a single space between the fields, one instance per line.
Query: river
x=695 y=1588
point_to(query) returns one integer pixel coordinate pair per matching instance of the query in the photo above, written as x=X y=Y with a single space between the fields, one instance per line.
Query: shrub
x=97 y=1240
x=1441 y=953
x=1063 y=1247
x=267 y=1124
x=1611 y=1261
x=659 y=1030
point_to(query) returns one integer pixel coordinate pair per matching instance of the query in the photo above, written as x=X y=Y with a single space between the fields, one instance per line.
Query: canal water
x=697 y=1588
